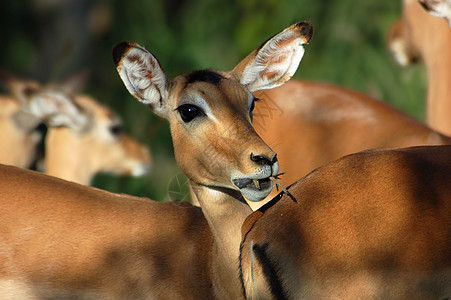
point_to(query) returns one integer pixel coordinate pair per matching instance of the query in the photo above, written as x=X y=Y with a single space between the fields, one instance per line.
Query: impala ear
x=20 y=89
x=398 y=45
x=48 y=104
x=438 y=8
x=142 y=75
x=56 y=109
x=74 y=83
x=274 y=62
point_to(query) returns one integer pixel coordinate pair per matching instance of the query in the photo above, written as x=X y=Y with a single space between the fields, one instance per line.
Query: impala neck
x=64 y=157
x=225 y=211
x=437 y=58
x=435 y=50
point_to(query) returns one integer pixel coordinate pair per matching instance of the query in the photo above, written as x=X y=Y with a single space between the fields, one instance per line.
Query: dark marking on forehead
x=204 y=76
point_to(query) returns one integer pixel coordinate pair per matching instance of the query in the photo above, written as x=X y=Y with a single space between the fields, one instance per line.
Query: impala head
x=417 y=31
x=101 y=143
x=85 y=137
x=49 y=103
x=210 y=112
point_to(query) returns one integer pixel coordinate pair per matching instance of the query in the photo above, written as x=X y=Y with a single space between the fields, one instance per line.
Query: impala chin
x=256 y=187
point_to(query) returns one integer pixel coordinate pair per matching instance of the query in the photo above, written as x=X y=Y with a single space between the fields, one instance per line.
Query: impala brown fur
x=61 y=240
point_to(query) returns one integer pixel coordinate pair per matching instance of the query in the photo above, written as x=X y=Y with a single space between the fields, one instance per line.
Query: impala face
x=210 y=111
x=215 y=142
x=111 y=149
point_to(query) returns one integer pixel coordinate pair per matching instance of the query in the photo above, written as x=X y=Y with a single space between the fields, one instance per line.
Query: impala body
x=61 y=240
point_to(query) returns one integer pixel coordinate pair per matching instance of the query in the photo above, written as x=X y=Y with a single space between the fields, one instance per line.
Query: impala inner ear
x=59 y=109
x=142 y=75
x=274 y=62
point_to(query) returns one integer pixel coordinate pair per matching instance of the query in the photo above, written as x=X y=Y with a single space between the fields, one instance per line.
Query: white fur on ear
x=58 y=109
x=53 y=104
x=277 y=60
x=142 y=74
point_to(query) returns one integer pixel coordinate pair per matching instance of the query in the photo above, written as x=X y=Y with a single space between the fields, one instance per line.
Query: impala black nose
x=263 y=160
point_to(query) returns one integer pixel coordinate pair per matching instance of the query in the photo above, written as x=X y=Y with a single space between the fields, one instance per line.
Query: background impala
x=82 y=136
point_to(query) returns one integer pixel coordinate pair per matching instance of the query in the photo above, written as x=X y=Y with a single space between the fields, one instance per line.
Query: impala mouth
x=258 y=184
x=254 y=189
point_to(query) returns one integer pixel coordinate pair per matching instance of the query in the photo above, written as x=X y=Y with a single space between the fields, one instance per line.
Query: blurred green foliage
x=50 y=39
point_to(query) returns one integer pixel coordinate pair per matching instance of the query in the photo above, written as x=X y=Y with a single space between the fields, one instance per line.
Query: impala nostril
x=261 y=159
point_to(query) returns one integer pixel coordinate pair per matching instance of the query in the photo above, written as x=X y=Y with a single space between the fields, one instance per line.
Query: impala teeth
x=257 y=184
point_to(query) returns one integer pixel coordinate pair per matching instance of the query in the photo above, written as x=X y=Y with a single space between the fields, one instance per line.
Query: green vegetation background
x=50 y=39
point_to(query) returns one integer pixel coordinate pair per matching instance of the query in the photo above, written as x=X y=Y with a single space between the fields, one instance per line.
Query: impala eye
x=251 y=109
x=253 y=103
x=116 y=129
x=188 y=112
x=29 y=91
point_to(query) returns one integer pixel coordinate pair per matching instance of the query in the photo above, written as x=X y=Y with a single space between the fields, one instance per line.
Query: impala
x=372 y=225
x=62 y=240
x=83 y=138
x=420 y=35
x=438 y=8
